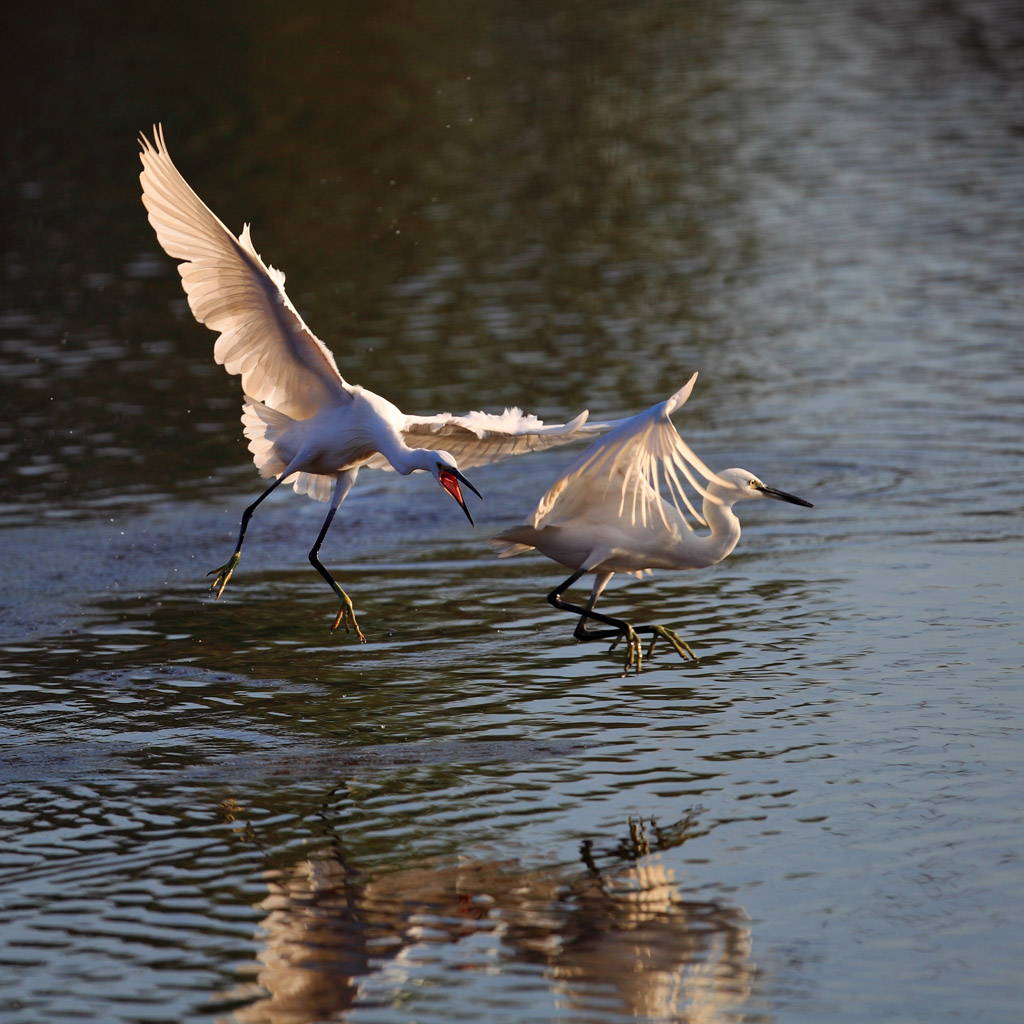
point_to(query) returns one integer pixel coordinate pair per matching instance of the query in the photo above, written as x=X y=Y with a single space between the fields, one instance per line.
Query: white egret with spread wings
x=607 y=513
x=305 y=423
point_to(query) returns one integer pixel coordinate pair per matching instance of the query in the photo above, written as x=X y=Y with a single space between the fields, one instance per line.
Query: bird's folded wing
x=231 y=290
x=479 y=437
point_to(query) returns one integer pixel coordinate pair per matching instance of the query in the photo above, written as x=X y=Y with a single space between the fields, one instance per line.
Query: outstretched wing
x=635 y=471
x=231 y=290
x=479 y=437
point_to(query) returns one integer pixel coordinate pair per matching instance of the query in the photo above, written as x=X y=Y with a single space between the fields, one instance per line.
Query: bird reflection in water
x=612 y=937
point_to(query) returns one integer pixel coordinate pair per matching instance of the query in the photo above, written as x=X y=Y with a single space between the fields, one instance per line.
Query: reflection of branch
x=233 y=814
x=587 y=856
x=638 y=845
x=670 y=836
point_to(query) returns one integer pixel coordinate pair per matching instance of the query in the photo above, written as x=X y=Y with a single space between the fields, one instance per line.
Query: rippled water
x=218 y=811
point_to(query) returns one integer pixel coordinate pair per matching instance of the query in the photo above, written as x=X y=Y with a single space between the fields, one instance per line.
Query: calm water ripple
x=217 y=811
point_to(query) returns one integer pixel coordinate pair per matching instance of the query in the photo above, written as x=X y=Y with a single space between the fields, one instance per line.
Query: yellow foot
x=682 y=648
x=223 y=574
x=634 y=648
x=347 y=615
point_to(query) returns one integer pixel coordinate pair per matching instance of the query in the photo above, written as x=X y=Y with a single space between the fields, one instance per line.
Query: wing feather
x=479 y=438
x=636 y=470
x=231 y=290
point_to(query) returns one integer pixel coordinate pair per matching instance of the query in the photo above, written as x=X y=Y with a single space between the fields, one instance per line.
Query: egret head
x=448 y=476
x=743 y=485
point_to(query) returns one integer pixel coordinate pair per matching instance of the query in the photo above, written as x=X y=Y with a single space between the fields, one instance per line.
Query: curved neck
x=725 y=531
x=375 y=425
x=404 y=459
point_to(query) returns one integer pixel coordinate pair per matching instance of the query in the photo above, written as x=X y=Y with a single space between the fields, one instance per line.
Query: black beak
x=771 y=492
x=468 y=484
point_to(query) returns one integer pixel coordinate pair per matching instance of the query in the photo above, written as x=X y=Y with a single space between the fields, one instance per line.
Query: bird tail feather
x=264 y=427
x=513 y=542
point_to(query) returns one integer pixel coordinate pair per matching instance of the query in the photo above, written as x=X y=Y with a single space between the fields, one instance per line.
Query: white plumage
x=622 y=507
x=305 y=423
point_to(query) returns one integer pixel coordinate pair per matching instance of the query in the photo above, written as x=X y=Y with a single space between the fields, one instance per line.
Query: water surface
x=218 y=811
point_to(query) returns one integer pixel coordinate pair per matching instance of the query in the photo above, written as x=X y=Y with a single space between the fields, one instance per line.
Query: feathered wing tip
x=480 y=438
x=678 y=400
x=640 y=459
x=512 y=421
x=233 y=292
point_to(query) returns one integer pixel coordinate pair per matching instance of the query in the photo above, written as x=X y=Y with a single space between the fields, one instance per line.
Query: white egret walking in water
x=607 y=514
x=306 y=424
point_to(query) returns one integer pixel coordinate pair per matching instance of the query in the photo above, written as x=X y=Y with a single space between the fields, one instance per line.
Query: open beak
x=771 y=492
x=449 y=480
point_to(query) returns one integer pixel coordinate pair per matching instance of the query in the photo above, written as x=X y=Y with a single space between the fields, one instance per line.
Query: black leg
x=581 y=632
x=347 y=613
x=223 y=574
x=620 y=628
x=247 y=514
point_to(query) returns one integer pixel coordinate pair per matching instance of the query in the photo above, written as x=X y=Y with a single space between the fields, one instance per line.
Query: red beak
x=449 y=480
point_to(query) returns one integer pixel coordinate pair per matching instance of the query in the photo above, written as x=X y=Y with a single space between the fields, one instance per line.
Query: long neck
x=725 y=531
x=381 y=423
x=403 y=458
x=406 y=460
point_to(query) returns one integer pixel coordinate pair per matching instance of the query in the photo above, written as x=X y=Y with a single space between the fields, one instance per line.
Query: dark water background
x=217 y=811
